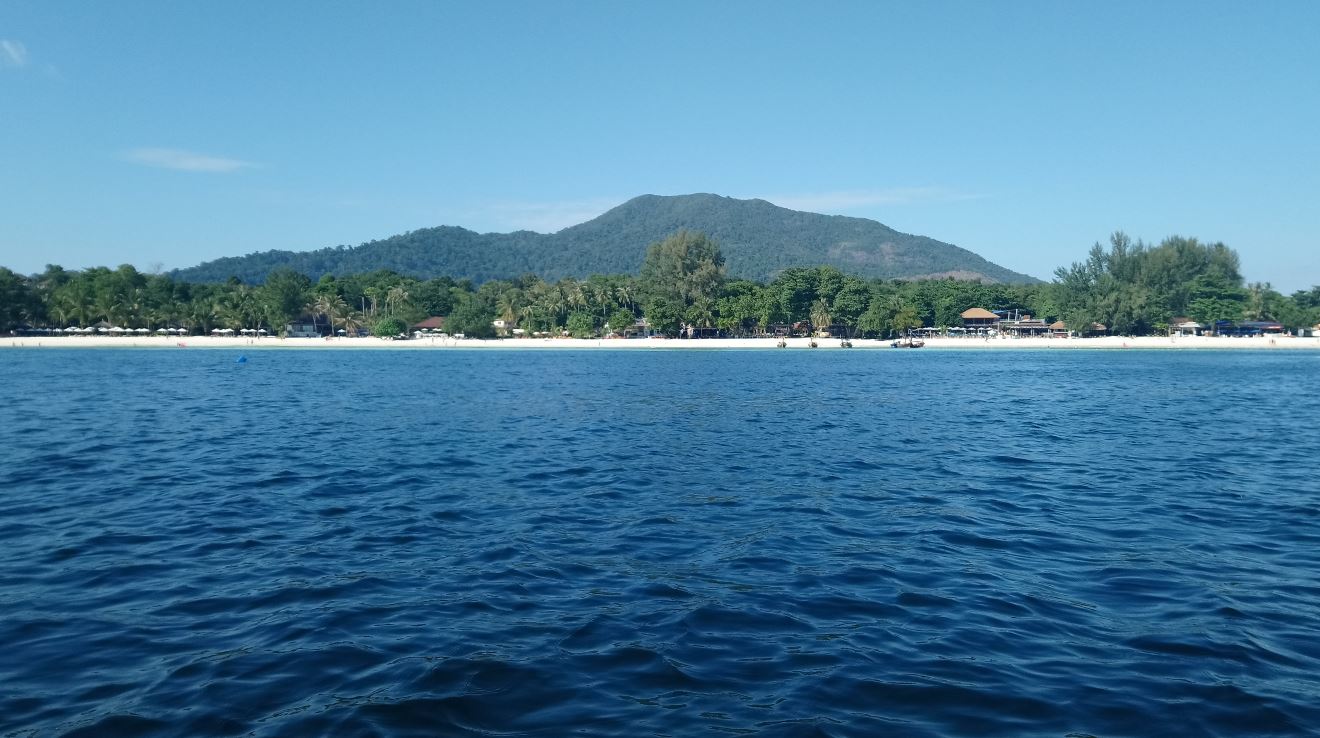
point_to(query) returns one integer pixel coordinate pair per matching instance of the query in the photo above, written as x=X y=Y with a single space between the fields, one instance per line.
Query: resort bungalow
x=1185 y=327
x=978 y=320
x=432 y=324
x=1058 y=329
x=304 y=327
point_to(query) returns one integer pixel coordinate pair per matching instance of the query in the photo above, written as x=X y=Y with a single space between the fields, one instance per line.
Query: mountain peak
x=758 y=238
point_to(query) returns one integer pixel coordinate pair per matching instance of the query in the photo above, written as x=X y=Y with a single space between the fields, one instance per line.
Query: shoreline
x=1261 y=343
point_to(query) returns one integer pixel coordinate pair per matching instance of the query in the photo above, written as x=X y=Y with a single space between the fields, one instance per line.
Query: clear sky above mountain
x=169 y=133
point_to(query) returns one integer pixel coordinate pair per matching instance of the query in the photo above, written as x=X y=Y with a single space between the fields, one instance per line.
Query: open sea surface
x=659 y=543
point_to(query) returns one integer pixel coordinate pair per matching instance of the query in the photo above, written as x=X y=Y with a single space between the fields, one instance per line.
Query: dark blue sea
x=659 y=543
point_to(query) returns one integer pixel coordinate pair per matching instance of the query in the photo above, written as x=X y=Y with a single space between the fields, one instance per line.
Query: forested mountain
x=1132 y=287
x=758 y=239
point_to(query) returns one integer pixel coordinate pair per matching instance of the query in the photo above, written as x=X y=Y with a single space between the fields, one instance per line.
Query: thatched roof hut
x=434 y=322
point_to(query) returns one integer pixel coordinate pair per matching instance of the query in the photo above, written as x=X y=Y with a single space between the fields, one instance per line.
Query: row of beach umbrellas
x=117 y=331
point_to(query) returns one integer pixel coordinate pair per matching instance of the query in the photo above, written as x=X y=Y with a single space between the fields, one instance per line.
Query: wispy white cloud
x=850 y=200
x=13 y=53
x=542 y=217
x=185 y=161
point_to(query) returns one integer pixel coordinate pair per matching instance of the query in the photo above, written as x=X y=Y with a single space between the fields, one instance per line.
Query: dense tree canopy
x=1130 y=287
x=1136 y=289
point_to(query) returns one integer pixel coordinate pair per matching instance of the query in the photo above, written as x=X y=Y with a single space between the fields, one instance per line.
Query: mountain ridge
x=758 y=239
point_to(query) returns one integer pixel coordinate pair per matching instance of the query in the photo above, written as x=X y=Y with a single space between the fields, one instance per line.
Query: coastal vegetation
x=1131 y=287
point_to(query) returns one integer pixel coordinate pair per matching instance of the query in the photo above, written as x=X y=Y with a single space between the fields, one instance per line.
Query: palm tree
x=820 y=315
x=1256 y=292
x=337 y=311
x=625 y=294
x=134 y=306
x=201 y=313
x=395 y=299
x=373 y=296
x=554 y=304
x=61 y=311
x=702 y=314
x=350 y=321
x=509 y=306
x=330 y=305
x=76 y=297
x=601 y=294
x=574 y=297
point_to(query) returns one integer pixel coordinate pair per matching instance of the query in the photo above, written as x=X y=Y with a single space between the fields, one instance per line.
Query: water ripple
x=659 y=543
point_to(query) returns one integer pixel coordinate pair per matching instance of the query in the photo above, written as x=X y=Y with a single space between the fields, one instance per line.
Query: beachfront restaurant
x=1024 y=327
x=978 y=321
x=1248 y=328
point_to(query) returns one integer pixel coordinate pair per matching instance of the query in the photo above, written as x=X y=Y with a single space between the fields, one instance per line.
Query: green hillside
x=758 y=240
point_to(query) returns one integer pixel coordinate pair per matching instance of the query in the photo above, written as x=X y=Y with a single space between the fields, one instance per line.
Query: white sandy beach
x=238 y=342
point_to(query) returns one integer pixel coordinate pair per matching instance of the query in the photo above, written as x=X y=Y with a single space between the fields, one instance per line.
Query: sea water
x=767 y=543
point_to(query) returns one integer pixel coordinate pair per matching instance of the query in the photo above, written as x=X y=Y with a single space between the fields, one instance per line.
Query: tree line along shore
x=1130 y=288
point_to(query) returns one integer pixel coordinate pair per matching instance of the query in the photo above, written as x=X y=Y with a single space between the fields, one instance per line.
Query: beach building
x=1059 y=329
x=433 y=323
x=639 y=329
x=303 y=327
x=1023 y=327
x=978 y=320
x=1248 y=328
x=1184 y=326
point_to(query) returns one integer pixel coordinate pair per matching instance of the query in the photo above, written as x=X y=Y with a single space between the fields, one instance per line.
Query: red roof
x=432 y=322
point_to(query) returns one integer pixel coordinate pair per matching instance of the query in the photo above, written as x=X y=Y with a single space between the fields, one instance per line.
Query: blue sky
x=164 y=134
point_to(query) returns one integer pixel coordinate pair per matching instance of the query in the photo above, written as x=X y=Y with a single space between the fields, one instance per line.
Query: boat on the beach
x=908 y=342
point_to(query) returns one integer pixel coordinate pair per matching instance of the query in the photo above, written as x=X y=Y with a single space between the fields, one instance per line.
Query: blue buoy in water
x=241 y=360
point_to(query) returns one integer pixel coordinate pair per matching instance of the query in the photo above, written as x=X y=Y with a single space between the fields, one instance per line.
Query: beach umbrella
x=141 y=330
x=216 y=330
x=261 y=331
x=161 y=330
x=116 y=329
